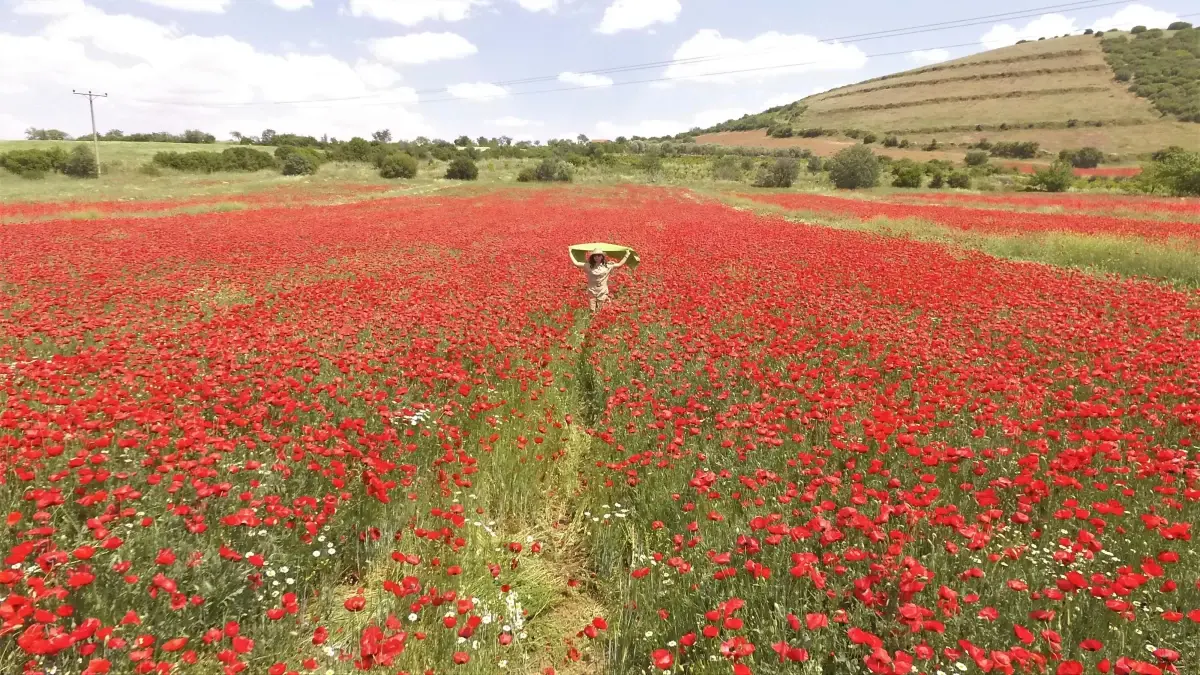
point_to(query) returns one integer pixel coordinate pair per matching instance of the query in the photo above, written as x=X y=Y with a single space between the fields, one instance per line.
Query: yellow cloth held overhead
x=614 y=252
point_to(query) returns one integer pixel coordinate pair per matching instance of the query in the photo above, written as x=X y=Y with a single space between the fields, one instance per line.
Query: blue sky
x=432 y=67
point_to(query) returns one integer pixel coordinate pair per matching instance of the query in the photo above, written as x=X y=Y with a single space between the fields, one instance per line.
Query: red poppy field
x=389 y=437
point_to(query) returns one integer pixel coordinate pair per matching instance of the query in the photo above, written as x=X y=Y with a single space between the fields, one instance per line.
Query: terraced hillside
x=1060 y=92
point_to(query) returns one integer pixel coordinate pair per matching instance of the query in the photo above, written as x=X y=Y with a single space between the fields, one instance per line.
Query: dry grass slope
x=1060 y=92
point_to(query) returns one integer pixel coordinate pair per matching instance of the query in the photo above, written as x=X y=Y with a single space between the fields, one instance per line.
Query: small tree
x=1174 y=170
x=869 y=138
x=463 y=141
x=815 y=164
x=727 y=167
x=781 y=174
x=960 y=180
x=906 y=174
x=299 y=164
x=81 y=163
x=1083 y=158
x=1137 y=29
x=1057 y=178
x=1179 y=25
x=382 y=136
x=462 y=168
x=976 y=158
x=854 y=167
x=937 y=180
x=398 y=165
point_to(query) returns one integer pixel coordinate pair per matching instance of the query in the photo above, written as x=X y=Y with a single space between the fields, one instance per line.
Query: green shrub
x=246 y=159
x=975 y=158
x=781 y=174
x=300 y=164
x=462 y=168
x=1179 y=25
x=1137 y=29
x=727 y=167
x=869 y=138
x=906 y=174
x=780 y=132
x=854 y=167
x=33 y=160
x=1015 y=149
x=931 y=146
x=1173 y=170
x=937 y=180
x=81 y=163
x=891 y=141
x=815 y=164
x=960 y=180
x=398 y=165
x=1057 y=178
x=549 y=170
x=1083 y=158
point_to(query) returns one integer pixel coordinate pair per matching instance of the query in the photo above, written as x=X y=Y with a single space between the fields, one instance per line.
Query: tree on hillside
x=382 y=136
x=854 y=167
x=1174 y=171
x=268 y=136
x=463 y=141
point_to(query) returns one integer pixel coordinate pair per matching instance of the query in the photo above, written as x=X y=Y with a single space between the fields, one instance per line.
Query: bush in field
x=190 y=162
x=398 y=165
x=549 y=170
x=960 y=180
x=975 y=158
x=906 y=174
x=1174 y=171
x=815 y=164
x=246 y=159
x=1179 y=25
x=284 y=152
x=33 y=162
x=462 y=168
x=81 y=163
x=854 y=167
x=1083 y=158
x=781 y=174
x=1015 y=149
x=937 y=180
x=1057 y=178
x=300 y=164
x=727 y=168
x=869 y=138
x=891 y=141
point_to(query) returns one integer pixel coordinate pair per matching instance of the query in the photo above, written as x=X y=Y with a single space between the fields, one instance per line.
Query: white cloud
x=514 y=123
x=707 y=118
x=1046 y=25
x=48 y=7
x=647 y=128
x=211 y=6
x=477 y=91
x=1136 y=15
x=230 y=84
x=925 y=57
x=292 y=5
x=412 y=12
x=766 y=55
x=421 y=48
x=539 y=5
x=635 y=14
x=585 y=79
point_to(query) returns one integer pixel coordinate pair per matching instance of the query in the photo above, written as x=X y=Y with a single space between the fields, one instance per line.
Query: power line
x=849 y=39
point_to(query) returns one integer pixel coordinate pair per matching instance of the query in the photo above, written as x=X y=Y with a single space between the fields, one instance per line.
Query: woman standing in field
x=597 y=268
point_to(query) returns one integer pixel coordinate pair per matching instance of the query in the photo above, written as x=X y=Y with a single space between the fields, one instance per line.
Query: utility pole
x=92 y=108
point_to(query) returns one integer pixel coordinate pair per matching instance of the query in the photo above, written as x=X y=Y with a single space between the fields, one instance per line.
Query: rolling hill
x=1061 y=92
